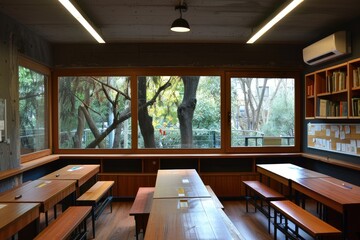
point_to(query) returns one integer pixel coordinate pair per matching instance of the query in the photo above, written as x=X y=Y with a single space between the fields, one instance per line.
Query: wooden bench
x=142 y=206
x=257 y=190
x=65 y=226
x=98 y=196
x=301 y=218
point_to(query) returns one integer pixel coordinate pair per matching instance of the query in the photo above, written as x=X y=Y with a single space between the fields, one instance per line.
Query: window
x=94 y=112
x=33 y=109
x=262 y=111
x=175 y=111
x=179 y=112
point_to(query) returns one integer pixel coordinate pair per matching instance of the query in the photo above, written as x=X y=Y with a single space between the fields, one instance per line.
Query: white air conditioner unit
x=327 y=48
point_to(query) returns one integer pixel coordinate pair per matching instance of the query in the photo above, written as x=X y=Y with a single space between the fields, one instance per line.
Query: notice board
x=339 y=138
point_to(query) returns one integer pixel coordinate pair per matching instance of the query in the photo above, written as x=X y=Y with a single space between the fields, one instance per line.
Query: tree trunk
x=79 y=130
x=186 y=110
x=145 y=121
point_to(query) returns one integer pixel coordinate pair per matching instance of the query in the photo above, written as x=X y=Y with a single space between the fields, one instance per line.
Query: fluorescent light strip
x=72 y=9
x=274 y=20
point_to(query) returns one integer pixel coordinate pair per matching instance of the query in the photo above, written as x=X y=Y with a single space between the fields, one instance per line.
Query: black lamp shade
x=180 y=25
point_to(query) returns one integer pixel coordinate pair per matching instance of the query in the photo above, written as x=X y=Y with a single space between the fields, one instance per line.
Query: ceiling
x=211 y=21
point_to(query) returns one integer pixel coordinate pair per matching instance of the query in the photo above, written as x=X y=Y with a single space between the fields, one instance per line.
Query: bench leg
x=269 y=217
x=93 y=219
x=46 y=218
x=275 y=222
x=247 y=198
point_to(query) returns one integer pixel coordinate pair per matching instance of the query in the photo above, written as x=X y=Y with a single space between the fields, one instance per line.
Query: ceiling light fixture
x=80 y=17
x=180 y=24
x=279 y=14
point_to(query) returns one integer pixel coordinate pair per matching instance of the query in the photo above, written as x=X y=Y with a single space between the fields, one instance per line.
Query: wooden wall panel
x=127 y=185
x=228 y=184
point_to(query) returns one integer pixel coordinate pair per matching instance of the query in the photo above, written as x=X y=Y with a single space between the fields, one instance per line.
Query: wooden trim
x=33 y=156
x=28 y=166
x=332 y=161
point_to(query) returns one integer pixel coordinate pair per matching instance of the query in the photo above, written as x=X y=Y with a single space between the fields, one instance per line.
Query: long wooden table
x=46 y=192
x=184 y=183
x=16 y=216
x=285 y=173
x=336 y=194
x=80 y=173
x=182 y=208
x=331 y=192
x=186 y=218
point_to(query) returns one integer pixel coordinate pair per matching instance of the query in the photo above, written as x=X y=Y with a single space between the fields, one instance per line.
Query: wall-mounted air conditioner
x=327 y=48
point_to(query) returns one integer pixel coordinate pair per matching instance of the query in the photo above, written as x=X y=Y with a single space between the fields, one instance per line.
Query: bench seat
x=301 y=218
x=257 y=190
x=66 y=224
x=98 y=197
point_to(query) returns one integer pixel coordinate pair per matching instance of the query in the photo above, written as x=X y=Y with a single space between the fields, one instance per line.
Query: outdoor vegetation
x=173 y=112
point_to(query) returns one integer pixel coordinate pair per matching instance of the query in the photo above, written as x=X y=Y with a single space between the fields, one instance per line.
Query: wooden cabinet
x=334 y=92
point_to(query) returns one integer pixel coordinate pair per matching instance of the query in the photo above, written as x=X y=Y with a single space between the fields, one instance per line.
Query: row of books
x=310 y=90
x=327 y=108
x=356 y=77
x=355 y=106
x=336 y=82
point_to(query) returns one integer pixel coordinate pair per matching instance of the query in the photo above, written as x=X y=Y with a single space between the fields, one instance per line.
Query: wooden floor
x=119 y=225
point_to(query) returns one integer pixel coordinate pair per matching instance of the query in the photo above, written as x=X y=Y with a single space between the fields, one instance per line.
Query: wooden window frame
x=133 y=73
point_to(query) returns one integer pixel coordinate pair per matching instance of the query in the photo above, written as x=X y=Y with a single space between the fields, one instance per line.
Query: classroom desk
x=184 y=183
x=16 y=216
x=46 y=192
x=336 y=194
x=186 y=218
x=286 y=172
x=80 y=173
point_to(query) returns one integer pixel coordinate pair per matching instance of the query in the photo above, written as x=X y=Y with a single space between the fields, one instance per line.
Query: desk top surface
x=335 y=189
x=186 y=218
x=289 y=171
x=73 y=172
x=38 y=191
x=184 y=183
x=15 y=216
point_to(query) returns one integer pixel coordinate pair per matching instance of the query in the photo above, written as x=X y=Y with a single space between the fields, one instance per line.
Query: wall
x=354 y=30
x=176 y=54
x=15 y=40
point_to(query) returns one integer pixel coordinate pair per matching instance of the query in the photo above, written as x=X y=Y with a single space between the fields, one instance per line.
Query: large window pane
x=179 y=112
x=94 y=112
x=262 y=111
x=32 y=111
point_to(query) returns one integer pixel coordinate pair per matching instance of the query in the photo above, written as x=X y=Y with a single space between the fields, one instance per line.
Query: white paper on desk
x=2 y=205
x=185 y=180
x=183 y=204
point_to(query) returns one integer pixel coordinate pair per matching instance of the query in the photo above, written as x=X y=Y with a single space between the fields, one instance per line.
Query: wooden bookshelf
x=334 y=92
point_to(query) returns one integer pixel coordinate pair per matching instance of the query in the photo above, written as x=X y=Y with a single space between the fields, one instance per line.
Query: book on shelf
x=322 y=107
x=336 y=82
x=355 y=107
x=356 y=77
x=310 y=90
x=327 y=108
